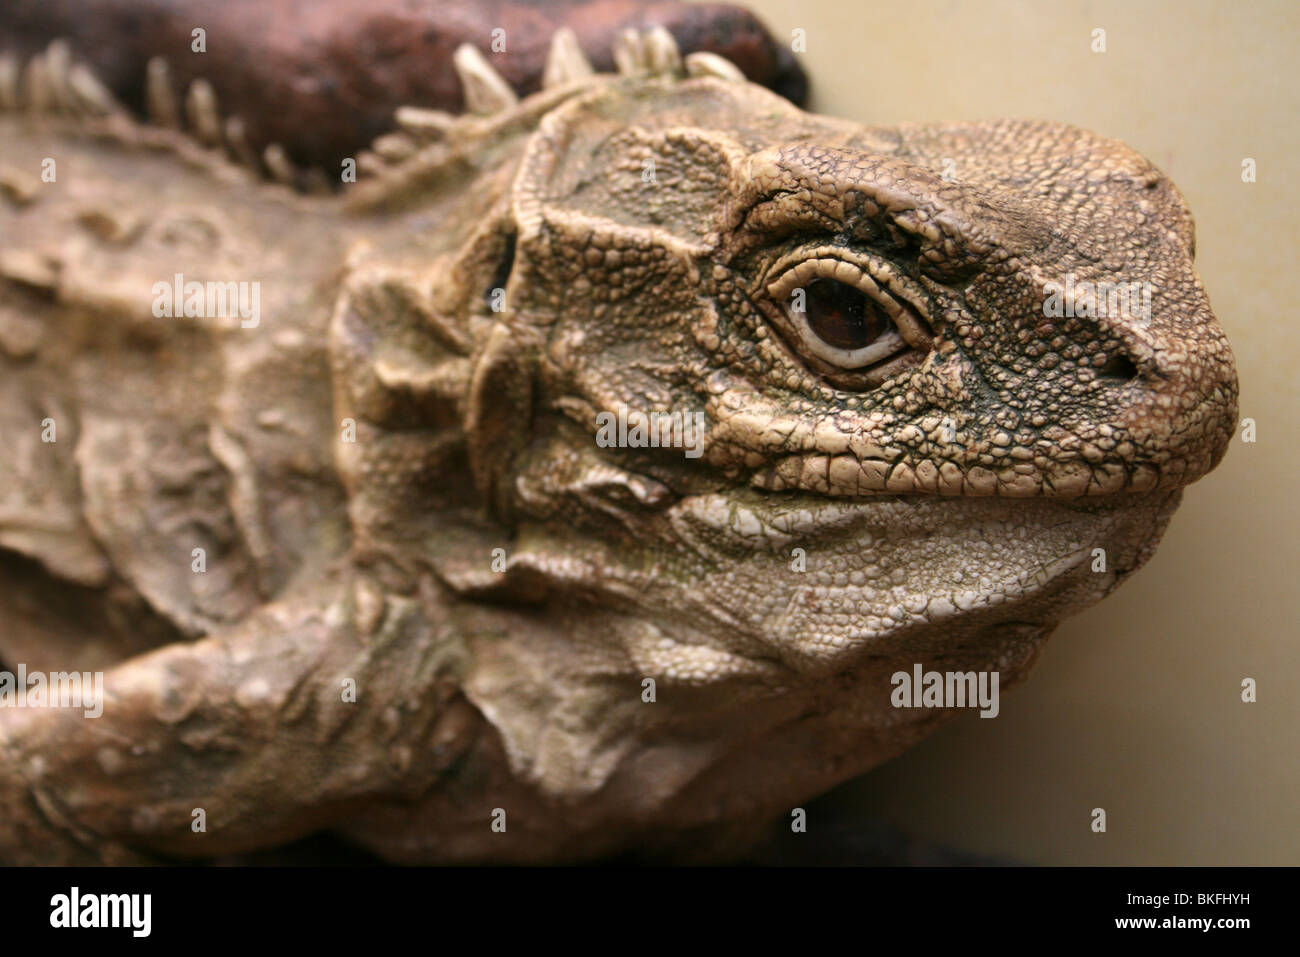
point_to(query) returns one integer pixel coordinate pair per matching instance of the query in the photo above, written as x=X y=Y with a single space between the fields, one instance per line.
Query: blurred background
x=1135 y=706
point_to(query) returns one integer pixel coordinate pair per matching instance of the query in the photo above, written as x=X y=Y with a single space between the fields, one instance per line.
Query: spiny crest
x=52 y=83
x=53 y=86
x=431 y=144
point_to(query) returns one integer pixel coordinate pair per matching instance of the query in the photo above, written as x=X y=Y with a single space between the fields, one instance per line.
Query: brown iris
x=842 y=316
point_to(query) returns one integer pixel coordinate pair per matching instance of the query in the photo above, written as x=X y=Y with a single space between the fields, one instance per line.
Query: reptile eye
x=849 y=326
x=855 y=322
x=843 y=326
x=842 y=316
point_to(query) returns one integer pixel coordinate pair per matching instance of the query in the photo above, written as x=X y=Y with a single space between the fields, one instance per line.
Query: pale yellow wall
x=1135 y=704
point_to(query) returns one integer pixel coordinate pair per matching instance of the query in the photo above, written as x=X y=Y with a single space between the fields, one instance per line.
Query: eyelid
x=881 y=288
x=805 y=272
x=889 y=344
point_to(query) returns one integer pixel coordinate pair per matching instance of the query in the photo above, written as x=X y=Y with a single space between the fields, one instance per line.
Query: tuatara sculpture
x=368 y=556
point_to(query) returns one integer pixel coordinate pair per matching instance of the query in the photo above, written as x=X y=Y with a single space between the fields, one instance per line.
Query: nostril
x=1118 y=369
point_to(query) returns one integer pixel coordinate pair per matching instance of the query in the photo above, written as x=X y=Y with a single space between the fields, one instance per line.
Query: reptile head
x=766 y=407
x=935 y=369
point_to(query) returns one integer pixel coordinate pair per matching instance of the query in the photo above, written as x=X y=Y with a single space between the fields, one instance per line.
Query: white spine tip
x=394 y=147
x=278 y=165
x=565 y=62
x=662 y=56
x=205 y=119
x=58 y=66
x=89 y=95
x=629 y=54
x=486 y=91
x=160 y=96
x=425 y=125
x=703 y=63
x=237 y=142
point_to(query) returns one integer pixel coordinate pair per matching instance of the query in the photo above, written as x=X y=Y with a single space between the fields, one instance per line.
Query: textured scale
x=496 y=583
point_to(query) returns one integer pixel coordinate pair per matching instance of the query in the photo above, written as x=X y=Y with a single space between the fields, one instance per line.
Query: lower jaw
x=918 y=569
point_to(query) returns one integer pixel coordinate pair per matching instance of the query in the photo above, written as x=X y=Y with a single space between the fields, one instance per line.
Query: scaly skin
x=496 y=582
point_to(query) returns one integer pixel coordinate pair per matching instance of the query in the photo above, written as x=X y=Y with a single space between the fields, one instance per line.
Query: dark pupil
x=843 y=316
